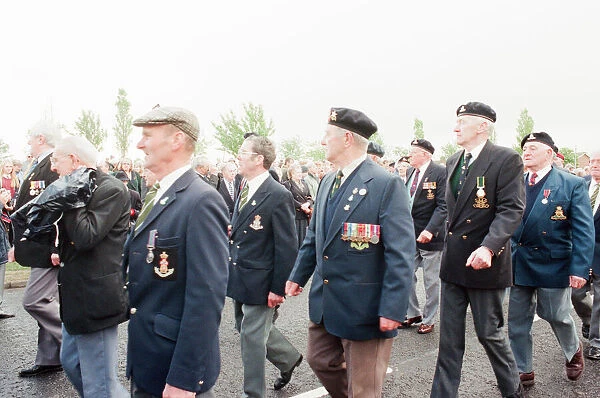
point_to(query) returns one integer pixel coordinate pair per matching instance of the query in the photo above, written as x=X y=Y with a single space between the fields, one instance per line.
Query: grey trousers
x=595 y=323
x=40 y=300
x=582 y=303
x=2 y=271
x=260 y=339
x=430 y=262
x=488 y=317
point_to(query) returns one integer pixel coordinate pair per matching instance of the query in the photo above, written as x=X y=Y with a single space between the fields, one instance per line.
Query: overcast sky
x=392 y=60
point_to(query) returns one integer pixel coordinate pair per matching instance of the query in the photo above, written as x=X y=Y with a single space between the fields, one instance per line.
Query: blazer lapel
x=356 y=191
x=478 y=169
x=450 y=199
x=240 y=217
x=538 y=209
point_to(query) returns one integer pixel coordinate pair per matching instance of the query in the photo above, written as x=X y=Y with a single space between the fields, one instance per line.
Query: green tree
x=315 y=151
x=524 y=127
x=570 y=156
x=230 y=131
x=123 y=127
x=202 y=145
x=418 y=129
x=377 y=138
x=448 y=150
x=292 y=148
x=3 y=148
x=88 y=125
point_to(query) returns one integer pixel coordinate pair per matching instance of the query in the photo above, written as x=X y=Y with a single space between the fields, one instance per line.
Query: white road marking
x=321 y=391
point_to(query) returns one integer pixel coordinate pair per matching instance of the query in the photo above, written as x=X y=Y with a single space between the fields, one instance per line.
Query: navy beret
x=423 y=144
x=542 y=137
x=477 y=109
x=375 y=149
x=352 y=120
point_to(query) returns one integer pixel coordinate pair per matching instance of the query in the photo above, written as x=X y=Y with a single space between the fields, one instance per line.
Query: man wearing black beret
x=359 y=250
x=375 y=151
x=426 y=184
x=553 y=251
x=485 y=200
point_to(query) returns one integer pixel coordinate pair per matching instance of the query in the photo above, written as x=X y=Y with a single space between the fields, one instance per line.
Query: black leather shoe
x=585 y=331
x=4 y=315
x=39 y=369
x=285 y=377
x=593 y=353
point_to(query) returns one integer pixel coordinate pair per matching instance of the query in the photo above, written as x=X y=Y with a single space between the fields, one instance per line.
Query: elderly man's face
x=229 y=172
x=62 y=163
x=536 y=155
x=35 y=143
x=595 y=166
x=466 y=130
x=418 y=157
x=333 y=140
x=156 y=144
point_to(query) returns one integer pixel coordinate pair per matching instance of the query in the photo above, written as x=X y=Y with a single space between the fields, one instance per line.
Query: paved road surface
x=411 y=366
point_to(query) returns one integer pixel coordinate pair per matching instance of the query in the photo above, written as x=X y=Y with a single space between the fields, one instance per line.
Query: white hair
x=80 y=147
x=47 y=129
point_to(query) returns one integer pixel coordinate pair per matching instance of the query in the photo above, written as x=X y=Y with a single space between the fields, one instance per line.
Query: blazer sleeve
x=582 y=231
x=436 y=222
x=285 y=242
x=510 y=194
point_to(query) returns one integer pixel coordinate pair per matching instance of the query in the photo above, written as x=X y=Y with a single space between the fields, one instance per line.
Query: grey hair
x=200 y=162
x=360 y=141
x=80 y=147
x=47 y=129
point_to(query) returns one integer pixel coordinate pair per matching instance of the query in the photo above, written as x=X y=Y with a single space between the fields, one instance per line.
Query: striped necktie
x=336 y=183
x=594 y=196
x=243 y=197
x=148 y=204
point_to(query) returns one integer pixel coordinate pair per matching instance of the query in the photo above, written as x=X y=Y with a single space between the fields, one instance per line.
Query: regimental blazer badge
x=256 y=225
x=163 y=269
x=559 y=214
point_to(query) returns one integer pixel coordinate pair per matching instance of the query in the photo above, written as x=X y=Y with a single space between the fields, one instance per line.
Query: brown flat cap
x=181 y=118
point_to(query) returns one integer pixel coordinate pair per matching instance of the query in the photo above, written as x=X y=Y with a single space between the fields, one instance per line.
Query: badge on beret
x=559 y=214
x=333 y=116
x=463 y=109
x=531 y=137
x=256 y=225
x=415 y=142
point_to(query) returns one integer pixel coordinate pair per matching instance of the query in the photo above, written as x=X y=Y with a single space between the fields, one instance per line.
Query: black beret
x=477 y=109
x=405 y=159
x=542 y=137
x=423 y=144
x=375 y=149
x=352 y=120
x=121 y=175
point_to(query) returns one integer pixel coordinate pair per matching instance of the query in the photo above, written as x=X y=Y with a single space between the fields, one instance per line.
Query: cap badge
x=531 y=137
x=462 y=109
x=415 y=142
x=333 y=116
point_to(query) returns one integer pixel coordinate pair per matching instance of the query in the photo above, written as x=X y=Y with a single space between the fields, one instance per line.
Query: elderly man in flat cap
x=485 y=201
x=426 y=185
x=552 y=253
x=177 y=259
x=359 y=249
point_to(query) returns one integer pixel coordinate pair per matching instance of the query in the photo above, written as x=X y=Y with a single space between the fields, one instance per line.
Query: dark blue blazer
x=596 y=260
x=263 y=244
x=429 y=206
x=352 y=288
x=557 y=238
x=174 y=322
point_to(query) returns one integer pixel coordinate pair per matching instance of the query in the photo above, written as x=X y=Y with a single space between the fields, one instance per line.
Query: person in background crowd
x=402 y=166
x=262 y=251
x=426 y=184
x=552 y=253
x=92 y=295
x=135 y=180
x=593 y=190
x=134 y=197
x=375 y=152
x=485 y=201
x=359 y=251
x=18 y=168
x=4 y=248
x=138 y=167
x=177 y=262
x=10 y=182
x=284 y=169
x=40 y=298
x=312 y=179
x=227 y=186
x=559 y=159
x=201 y=165
x=302 y=200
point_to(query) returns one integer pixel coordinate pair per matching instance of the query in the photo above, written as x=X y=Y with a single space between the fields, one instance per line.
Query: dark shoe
x=410 y=321
x=39 y=369
x=527 y=379
x=286 y=376
x=575 y=365
x=424 y=328
x=520 y=393
x=4 y=315
x=593 y=353
x=585 y=331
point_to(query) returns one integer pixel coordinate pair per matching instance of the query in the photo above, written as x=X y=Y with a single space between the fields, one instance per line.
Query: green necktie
x=337 y=183
x=148 y=204
x=594 y=196
x=243 y=197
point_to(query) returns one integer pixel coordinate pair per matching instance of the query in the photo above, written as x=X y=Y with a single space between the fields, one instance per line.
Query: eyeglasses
x=242 y=152
x=55 y=159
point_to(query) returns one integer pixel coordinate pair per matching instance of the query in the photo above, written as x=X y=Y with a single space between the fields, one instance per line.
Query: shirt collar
x=541 y=173
x=256 y=182
x=352 y=166
x=168 y=180
x=475 y=152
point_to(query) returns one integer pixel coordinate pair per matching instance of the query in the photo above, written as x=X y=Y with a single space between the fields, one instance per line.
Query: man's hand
x=480 y=258
x=174 y=392
x=292 y=288
x=274 y=300
x=576 y=282
x=386 y=325
x=55 y=258
x=11 y=255
x=425 y=237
